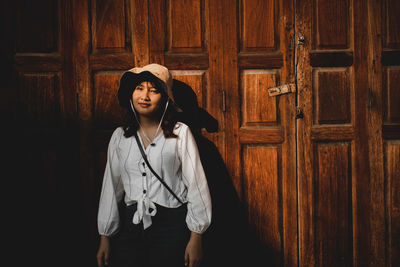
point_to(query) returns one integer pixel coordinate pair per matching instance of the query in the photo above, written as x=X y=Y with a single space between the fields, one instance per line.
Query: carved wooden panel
x=331 y=96
x=196 y=79
x=258 y=108
x=333 y=204
x=37 y=29
x=392 y=92
x=331 y=24
x=392 y=24
x=110 y=25
x=186 y=25
x=39 y=98
x=107 y=112
x=392 y=173
x=256 y=17
x=262 y=189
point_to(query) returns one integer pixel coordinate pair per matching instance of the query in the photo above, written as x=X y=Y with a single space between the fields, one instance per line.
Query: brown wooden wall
x=317 y=170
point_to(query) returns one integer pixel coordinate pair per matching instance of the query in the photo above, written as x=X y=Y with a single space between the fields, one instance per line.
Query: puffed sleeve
x=199 y=200
x=112 y=190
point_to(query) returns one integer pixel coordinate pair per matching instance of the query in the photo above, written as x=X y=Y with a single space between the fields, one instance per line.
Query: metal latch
x=299 y=113
x=301 y=40
x=283 y=89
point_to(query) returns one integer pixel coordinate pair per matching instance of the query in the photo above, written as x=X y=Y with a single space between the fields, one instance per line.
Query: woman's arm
x=199 y=205
x=112 y=189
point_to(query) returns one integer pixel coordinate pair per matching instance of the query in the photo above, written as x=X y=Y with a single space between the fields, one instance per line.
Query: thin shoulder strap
x=151 y=169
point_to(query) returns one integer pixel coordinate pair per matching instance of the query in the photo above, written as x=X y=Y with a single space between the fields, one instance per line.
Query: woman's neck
x=148 y=122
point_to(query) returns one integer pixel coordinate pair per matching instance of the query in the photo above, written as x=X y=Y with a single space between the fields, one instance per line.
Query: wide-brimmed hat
x=155 y=73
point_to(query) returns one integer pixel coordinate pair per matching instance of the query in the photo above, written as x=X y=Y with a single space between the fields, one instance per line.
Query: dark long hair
x=170 y=119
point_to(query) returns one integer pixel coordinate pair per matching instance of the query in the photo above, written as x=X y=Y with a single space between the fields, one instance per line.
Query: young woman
x=164 y=218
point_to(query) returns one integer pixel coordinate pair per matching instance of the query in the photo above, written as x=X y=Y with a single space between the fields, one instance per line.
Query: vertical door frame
x=375 y=134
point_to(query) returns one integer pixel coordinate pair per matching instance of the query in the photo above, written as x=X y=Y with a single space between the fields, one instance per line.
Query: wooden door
x=348 y=157
x=261 y=146
x=385 y=119
x=331 y=159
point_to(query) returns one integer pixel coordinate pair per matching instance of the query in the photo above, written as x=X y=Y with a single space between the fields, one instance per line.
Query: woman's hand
x=194 y=251
x=103 y=254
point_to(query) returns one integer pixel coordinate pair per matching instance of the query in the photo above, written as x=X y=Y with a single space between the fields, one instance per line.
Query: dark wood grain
x=188 y=61
x=39 y=99
x=140 y=33
x=332 y=133
x=257 y=106
x=107 y=114
x=374 y=132
x=253 y=135
x=332 y=97
x=255 y=17
x=333 y=204
x=260 y=61
x=392 y=24
x=109 y=24
x=262 y=195
x=393 y=96
x=112 y=61
x=288 y=118
x=35 y=61
x=392 y=173
x=186 y=25
x=361 y=198
x=331 y=24
x=157 y=31
x=331 y=59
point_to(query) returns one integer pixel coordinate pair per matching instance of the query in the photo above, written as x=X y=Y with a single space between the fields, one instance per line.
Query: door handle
x=282 y=89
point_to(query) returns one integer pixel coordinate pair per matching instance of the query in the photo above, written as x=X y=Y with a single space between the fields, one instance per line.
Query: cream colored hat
x=155 y=73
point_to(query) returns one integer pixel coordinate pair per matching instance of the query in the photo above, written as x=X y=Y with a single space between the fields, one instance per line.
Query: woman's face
x=146 y=99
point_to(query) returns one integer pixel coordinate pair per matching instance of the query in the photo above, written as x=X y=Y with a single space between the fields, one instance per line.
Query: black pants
x=162 y=244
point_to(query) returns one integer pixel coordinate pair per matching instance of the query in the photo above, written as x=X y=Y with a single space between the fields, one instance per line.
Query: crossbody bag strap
x=151 y=169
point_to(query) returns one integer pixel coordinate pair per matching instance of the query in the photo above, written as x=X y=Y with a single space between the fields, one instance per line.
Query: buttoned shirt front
x=176 y=160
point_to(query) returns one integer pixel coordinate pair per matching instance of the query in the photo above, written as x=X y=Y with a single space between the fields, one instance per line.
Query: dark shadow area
x=229 y=240
x=45 y=199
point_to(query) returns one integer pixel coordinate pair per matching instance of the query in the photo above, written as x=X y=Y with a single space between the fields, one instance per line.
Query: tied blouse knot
x=175 y=160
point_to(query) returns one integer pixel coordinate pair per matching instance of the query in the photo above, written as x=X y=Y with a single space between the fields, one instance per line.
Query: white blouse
x=176 y=160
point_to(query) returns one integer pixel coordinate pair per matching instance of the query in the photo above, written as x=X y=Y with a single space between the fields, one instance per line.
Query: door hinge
x=283 y=89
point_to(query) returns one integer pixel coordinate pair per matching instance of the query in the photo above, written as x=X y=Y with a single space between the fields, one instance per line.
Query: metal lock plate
x=283 y=89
